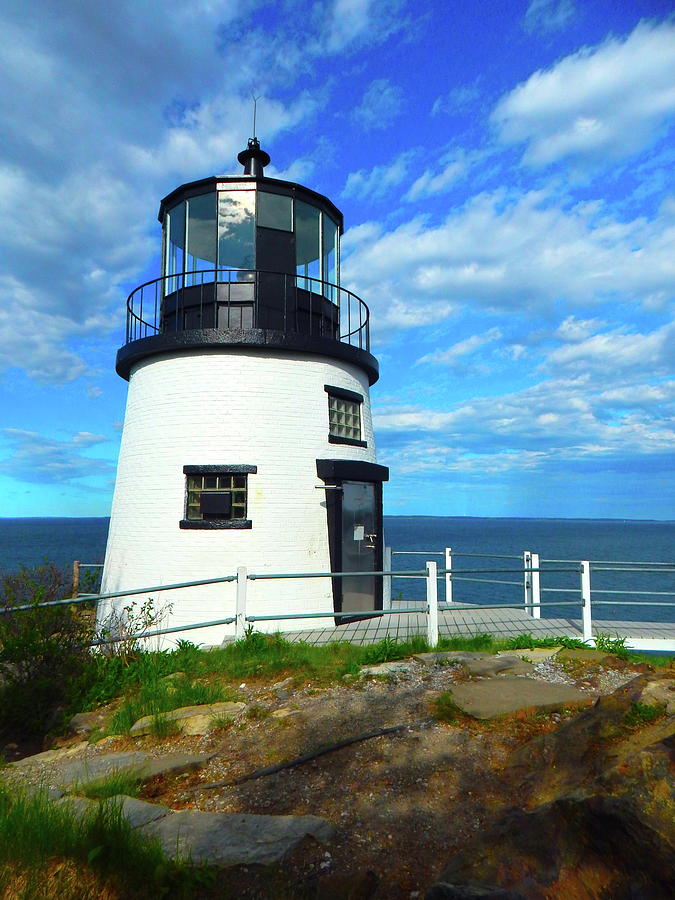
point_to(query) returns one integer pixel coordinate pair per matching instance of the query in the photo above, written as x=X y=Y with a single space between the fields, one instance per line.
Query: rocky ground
x=434 y=802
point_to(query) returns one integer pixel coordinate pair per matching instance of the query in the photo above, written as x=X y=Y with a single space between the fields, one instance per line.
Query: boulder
x=86 y=722
x=575 y=847
x=602 y=804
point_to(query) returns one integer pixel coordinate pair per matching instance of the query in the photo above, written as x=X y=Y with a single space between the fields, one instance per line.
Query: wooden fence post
x=76 y=578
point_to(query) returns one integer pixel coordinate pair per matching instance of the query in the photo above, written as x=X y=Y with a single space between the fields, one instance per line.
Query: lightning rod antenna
x=255 y=109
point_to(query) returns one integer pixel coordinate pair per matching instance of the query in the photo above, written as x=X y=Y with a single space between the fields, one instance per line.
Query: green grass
x=118 y=782
x=141 y=680
x=643 y=714
x=36 y=833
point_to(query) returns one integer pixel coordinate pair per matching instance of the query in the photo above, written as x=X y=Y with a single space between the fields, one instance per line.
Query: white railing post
x=586 y=617
x=432 y=604
x=240 y=611
x=527 y=581
x=535 y=587
x=448 y=575
x=386 y=579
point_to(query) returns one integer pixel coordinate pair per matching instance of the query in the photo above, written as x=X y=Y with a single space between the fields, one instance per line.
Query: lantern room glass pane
x=175 y=245
x=329 y=256
x=307 y=243
x=275 y=211
x=236 y=230
x=201 y=237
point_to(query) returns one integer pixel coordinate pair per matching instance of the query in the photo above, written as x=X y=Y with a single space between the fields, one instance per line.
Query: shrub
x=44 y=652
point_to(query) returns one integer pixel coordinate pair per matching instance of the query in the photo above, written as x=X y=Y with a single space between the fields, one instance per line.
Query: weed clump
x=445 y=709
x=641 y=714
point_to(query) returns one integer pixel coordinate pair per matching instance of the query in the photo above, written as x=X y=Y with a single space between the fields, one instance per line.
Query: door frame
x=333 y=472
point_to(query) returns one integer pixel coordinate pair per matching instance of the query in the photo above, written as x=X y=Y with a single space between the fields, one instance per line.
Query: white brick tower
x=247 y=438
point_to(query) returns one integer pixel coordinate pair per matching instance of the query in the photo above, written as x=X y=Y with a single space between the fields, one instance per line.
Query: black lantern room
x=248 y=260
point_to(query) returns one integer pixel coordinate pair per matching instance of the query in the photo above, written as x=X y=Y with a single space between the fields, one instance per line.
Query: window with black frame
x=344 y=416
x=216 y=496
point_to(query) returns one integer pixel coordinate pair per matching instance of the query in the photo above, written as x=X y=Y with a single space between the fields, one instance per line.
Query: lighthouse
x=248 y=438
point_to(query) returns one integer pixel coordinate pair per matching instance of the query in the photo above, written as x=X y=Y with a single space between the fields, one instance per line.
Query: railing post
x=448 y=575
x=76 y=578
x=586 y=617
x=535 y=587
x=527 y=581
x=386 y=579
x=240 y=611
x=432 y=604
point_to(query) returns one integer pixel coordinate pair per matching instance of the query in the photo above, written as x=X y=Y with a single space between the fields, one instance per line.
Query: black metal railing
x=244 y=299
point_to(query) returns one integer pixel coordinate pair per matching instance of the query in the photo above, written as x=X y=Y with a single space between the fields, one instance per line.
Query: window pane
x=329 y=254
x=275 y=211
x=175 y=245
x=205 y=490
x=306 y=244
x=236 y=230
x=201 y=235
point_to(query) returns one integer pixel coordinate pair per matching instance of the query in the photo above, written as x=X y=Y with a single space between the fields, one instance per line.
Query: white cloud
x=380 y=105
x=349 y=23
x=617 y=353
x=515 y=252
x=375 y=183
x=559 y=422
x=41 y=460
x=548 y=15
x=454 y=355
x=574 y=330
x=597 y=105
x=456 y=100
x=430 y=183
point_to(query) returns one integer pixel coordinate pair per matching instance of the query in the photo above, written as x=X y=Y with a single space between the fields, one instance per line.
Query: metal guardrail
x=531 y=571
x=243 y=299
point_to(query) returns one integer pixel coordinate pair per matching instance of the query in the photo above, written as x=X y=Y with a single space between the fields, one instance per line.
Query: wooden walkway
x=500 y=623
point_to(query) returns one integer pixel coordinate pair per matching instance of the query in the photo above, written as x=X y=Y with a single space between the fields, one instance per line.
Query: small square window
x=216 y=496
x=344 y=416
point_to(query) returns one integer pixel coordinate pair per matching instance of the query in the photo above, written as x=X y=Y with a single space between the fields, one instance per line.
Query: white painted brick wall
x=215 y=407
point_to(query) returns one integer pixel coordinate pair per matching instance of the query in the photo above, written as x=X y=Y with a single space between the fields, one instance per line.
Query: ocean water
x=28 y=542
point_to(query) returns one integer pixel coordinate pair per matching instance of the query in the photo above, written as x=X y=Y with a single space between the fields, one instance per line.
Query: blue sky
x=506 y=173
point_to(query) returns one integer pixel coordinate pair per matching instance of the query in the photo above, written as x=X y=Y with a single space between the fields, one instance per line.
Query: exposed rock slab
x=478 y=663
x=536 y=654
x=50 y=756
x=498 y=696
x=231 y=839
x=136 y=812
x=395 y=667
x=92 y=768
x=191 y=719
